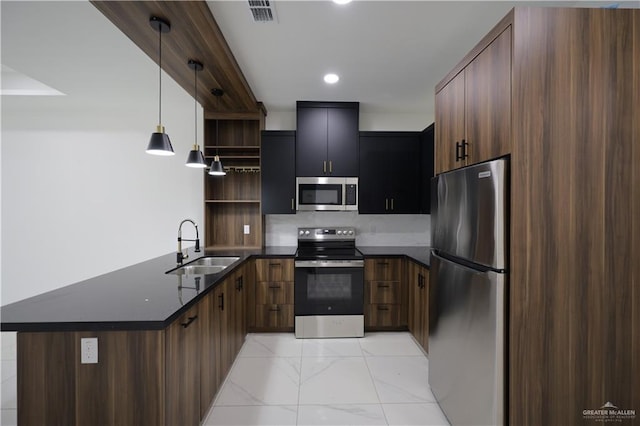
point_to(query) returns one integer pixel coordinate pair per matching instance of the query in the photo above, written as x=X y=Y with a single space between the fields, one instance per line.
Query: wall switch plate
x=247 y=230
x=89 y=350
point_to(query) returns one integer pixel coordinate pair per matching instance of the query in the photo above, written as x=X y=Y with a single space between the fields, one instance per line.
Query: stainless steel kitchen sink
x=215 y=261
x=205 y=266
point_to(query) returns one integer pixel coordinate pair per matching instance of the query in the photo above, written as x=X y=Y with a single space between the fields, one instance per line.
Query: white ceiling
x=389 y=54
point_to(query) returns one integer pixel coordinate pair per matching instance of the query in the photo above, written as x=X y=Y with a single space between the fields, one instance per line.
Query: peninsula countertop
x=143 y=296
x=138 y=297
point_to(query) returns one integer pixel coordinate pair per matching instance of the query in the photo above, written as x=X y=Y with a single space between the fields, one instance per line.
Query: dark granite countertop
x=138 y=297
x=143 y=296
x=418 y=253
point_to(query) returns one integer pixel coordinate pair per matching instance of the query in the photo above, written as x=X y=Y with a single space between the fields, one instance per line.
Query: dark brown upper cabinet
x=473 y=109
x=327 y=138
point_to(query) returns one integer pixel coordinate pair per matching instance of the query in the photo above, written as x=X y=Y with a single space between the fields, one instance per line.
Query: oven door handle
x=329 y=263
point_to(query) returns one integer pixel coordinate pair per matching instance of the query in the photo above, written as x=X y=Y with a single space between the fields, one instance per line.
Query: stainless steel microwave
x=326 y=193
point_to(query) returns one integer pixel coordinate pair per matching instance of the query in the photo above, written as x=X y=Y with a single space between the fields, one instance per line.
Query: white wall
x=369 y=121
x=80 y=197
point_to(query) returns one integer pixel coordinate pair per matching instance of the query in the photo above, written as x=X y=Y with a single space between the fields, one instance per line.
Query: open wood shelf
x=233 y=201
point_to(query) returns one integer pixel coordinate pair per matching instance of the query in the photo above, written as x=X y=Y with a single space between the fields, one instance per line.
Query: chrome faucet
x=180 y=255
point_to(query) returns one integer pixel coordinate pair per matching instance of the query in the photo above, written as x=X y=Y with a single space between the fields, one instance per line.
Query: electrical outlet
x=247 y=230
x=89 y=350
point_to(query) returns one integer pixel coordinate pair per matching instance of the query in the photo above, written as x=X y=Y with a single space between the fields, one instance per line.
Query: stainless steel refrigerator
x=469 y=277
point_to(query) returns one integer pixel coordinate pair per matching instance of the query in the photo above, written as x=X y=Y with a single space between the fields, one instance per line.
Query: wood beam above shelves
x=194 y=35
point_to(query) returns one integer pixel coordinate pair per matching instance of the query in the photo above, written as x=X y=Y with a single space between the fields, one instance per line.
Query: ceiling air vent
x=262 y=11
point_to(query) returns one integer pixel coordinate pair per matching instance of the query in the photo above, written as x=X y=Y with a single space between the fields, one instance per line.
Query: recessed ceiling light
x=341 y=1
x=331 y=78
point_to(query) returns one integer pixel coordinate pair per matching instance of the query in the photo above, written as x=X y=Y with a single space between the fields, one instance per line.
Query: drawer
x=383 y=269
x=387 y=292
x=274 y=316
x=274 y=293
x=382 y=315
x=274 y=270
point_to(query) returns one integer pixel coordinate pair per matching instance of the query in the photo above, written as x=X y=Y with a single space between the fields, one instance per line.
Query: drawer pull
x=274 y=286
x=189 y=321
x=275 y=309
x=275 y=264
x=240 y=283
x=383 y=286
x=383 y=308
x=381 y=263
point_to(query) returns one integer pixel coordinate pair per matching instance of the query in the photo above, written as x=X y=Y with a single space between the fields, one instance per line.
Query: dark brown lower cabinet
x=382 y=316
x=274 y=317
x=126 y=387
x=182 y=399
x=385 y=294
x=274 y=294
x=156 y=377
x=418 y=279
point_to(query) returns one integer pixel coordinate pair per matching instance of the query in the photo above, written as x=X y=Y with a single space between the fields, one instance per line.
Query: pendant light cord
x=217 y=120
x=160 y=78
x=195 y=105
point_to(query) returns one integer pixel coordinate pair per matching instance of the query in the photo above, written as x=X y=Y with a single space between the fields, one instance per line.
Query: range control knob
x=350 y=232
x=339 y=232
x=306 y=232
x=301 y=232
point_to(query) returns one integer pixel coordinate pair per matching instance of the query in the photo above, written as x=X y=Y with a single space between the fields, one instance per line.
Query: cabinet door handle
x=383 y=308
x=221 y=302
x=324 y=166
x=392 y=204
x=239 y=283
x=465 y=154
x=274 y=286
x=189 y=321
x=293 y=207
x=458 y=146
x=330 y=166
x=275 y=309
x=386 y=204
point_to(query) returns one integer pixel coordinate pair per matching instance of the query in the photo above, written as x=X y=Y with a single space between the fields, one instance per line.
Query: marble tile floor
x=276 y=379
x=381 y=379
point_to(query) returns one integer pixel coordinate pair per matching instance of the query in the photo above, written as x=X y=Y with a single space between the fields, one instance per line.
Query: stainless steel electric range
x=329 y=284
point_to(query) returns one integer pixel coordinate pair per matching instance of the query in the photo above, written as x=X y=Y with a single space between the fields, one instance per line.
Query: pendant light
x=216 y=165
x=195 y=158
x=159 y=144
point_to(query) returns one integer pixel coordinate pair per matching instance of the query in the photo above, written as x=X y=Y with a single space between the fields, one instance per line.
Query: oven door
x=329 y=287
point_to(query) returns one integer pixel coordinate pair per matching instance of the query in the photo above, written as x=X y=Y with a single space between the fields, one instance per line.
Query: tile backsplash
x=371 y=230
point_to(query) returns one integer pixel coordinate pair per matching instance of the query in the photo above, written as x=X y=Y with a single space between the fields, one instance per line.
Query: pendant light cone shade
x=195 y=158
x=159 y=144
x=216 y=167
